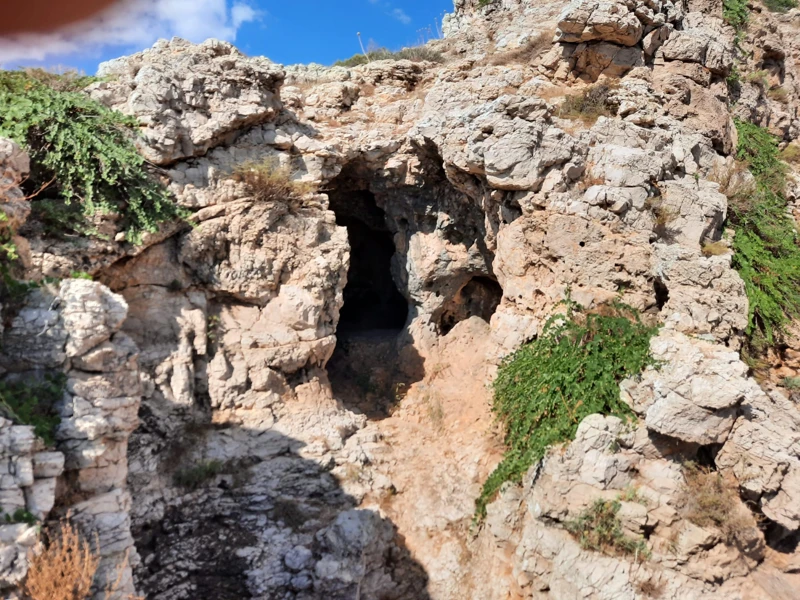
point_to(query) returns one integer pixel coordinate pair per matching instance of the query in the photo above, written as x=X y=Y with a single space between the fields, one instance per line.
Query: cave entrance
x=372 y=301
x=367 y=371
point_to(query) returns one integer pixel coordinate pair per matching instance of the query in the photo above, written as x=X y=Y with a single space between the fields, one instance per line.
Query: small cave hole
x=479 y=297
x=662 y=293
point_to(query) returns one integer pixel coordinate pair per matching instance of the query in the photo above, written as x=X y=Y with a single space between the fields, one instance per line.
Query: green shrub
x=598 y=528
x=196 y=476
x=780 y=6
x=34 y=403
x=736 y=14
x=766 y=251
x=573 y=370
x=19 y=516
x=81 y=151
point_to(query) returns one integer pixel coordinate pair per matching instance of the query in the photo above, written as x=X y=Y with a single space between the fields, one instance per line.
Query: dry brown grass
x=66 y=567
x=779 y=94
x=588 y=105
x=651 y=589
x=268 y=181
x=715 y=249
x=525 y=54
x=710 y=499
x=791 y=154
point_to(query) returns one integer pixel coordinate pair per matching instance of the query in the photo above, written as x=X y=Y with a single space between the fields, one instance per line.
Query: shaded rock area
x=290 y=399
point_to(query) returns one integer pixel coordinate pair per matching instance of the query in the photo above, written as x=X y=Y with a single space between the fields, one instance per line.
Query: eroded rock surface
x=199 y=419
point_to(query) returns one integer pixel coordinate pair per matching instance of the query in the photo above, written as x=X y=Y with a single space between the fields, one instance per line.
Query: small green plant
x=736 y=14
x=734 y=77
x=766 y=251
x=81 y=151
x=588 y=105
x=290 y=513
x=791 y=383
x=598 y=528
x=573 y=370
x=19 y=516
x=631 y=494
x=34 y=403
x=80 y=275
x=196 y=476
x=780 y=6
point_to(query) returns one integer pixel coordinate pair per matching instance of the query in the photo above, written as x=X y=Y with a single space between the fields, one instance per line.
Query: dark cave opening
x=371 y=298
x=479 y=297
x=369 y=368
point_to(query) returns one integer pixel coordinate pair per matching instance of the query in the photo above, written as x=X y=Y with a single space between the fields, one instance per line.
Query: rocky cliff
x=289 y=397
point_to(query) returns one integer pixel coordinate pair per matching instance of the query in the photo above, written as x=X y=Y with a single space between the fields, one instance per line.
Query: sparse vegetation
x=766 y=251
x=715 y=248
x=710 y=499
x=791 y=383
x=758 y=78
x=269 y=181
x=589 y=105
x=780 y=6
x=791 y=154
x=19 y=516
x=81 y=151
x=736 y=14
x=65 y=569
x=33 y=402
x=779 y=94
x=545 y=389
x=196 y=476
x=413 y=53
x=598 y=528
x=289 y=513
x=631 y=494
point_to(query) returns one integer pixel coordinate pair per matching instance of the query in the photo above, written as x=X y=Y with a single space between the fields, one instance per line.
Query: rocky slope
x=310 y=377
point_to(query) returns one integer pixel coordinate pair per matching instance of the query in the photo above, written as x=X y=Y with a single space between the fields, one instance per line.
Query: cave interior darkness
x=372 y=301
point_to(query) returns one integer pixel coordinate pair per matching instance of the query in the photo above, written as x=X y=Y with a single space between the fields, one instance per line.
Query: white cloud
x=400 y=15
x=135 y=23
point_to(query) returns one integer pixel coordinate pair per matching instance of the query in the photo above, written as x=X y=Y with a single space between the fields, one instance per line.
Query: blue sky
x=288 y=31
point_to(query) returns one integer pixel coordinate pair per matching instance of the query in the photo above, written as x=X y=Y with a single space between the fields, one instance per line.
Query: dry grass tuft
x=710 y=499
x=715 y=249
x=651 y=589
x=791 y=154
x=268 y=181
x=65 y=569
x=779 y=94
x=588 y=105
x=525 y=54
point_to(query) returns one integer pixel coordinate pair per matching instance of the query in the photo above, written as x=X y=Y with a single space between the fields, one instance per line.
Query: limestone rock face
x=288 y=398
x=189 y=101
x=74 y=330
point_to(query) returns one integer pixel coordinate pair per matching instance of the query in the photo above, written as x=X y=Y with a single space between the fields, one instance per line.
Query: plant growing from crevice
x=34 y=402
x=766 y=251
x=82 y=151
x=269 y=181
x=544 y=390
x=710 y=499
x=413 y=53
x=599 y=528
x=736 y=14
x=197 y=475
x=588 y=105
x=780 y=6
